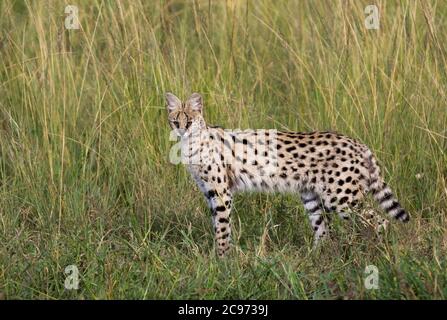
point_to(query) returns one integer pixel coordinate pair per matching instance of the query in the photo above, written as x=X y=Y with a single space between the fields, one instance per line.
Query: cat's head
x=187 y=116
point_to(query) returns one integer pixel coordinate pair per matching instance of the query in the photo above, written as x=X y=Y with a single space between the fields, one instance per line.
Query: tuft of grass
x=84 y=173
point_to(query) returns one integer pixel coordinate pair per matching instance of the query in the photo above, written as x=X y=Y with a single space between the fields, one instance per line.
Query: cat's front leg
x=220 y=202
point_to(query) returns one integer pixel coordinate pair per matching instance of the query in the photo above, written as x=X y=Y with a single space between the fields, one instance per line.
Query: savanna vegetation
x=84 y=145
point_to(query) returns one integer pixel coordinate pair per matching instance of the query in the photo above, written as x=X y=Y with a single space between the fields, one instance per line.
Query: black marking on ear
x=172 y=102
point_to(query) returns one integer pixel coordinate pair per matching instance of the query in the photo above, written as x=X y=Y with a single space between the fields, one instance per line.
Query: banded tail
x=382 y=193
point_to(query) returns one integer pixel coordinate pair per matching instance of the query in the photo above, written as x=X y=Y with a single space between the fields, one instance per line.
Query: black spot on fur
x=343 y=200
x=211 y=194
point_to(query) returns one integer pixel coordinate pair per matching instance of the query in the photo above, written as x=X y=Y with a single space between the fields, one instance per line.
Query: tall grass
x=84 y=173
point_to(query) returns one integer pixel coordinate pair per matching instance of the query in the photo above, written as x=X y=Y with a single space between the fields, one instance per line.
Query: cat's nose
x=181 y=131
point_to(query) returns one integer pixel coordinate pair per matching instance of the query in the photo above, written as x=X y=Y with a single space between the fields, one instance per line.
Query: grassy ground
x=84 y=141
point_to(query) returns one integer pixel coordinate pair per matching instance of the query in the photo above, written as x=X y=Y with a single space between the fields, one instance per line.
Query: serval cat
x=330 y=171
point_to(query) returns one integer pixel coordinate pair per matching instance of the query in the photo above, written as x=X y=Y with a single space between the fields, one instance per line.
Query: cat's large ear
x=172 y=102
x=195 y=102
